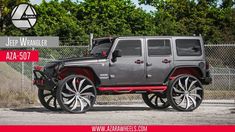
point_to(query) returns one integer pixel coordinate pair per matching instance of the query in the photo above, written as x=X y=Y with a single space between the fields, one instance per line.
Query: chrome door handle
x=139 y=62
x=166 y=61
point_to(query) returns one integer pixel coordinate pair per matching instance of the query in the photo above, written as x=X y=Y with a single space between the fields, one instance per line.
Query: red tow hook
x=39 y=68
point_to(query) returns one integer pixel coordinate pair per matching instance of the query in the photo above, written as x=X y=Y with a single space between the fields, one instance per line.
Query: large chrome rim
x=187 y=93
x=78 y=94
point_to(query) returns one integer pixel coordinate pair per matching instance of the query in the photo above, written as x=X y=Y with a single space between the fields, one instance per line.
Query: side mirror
x=116 y=53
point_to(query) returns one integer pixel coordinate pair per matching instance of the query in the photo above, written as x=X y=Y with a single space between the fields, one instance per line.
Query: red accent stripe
x=134 y=88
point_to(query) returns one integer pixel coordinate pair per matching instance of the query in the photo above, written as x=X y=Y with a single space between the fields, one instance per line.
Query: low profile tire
x=155 y=100
x=185 y=93
x=48 y=99
x=76 y=94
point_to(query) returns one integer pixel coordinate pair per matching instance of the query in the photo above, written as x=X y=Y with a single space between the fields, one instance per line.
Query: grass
x=17 y=98
x=219 y=94
x=12 y=92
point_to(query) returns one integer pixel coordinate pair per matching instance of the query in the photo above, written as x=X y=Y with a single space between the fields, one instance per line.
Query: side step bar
x=133 y=89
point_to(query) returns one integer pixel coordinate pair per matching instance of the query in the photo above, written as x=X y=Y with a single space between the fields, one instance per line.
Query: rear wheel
x=155 y=100
x=185 y=93
x=76 y=94
x=48 y=99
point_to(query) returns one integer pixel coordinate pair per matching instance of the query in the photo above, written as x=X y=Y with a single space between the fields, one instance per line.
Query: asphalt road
x=139 y=114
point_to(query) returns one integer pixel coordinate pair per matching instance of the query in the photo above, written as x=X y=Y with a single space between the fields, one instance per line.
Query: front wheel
x=76 y=94
x=185 y=93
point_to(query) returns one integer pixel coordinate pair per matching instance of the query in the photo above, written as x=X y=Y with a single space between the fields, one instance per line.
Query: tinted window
x=159 y=47
x=129 y=47
x=101 y=45
x=188 y=47
x=97 y=50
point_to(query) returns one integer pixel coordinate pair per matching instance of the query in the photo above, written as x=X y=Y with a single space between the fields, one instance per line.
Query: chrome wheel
x=185 y=93
x=76 y=94
x=48 y=99
x=155 y=100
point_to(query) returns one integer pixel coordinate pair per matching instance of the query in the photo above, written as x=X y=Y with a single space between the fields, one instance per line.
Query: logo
x=24 y=16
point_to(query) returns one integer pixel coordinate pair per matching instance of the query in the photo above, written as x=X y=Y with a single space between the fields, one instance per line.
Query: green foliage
x=105 y=18
x=6 y=6
x=56 y=19
x=186 y=17
x=73 y=21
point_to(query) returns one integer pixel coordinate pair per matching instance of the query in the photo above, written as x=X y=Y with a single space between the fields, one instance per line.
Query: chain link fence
x=17 y=79
x=222 y=68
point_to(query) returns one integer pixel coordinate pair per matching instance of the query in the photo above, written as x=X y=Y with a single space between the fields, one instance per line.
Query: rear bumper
x=206 y=80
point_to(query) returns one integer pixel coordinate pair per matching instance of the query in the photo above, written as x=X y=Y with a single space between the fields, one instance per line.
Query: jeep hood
x=70 y=60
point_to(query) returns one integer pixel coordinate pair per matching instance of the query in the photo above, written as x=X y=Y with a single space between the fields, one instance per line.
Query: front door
x=129 y=69
x=159 y=60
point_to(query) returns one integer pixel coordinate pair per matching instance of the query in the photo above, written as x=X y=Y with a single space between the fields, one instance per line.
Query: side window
x=188 y=47
x=159 y=47
x=129 y=47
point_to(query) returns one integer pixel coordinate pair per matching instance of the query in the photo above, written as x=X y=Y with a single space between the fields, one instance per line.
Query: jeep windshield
x=101 y=47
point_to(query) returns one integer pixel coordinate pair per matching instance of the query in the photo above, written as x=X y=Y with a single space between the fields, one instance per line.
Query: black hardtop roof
x=114 y=37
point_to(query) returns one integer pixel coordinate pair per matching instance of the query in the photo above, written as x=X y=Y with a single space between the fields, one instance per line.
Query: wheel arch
x=79 y=70
x=179 y=70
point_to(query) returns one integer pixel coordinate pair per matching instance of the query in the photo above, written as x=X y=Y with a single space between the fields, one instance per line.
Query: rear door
x=159 y=59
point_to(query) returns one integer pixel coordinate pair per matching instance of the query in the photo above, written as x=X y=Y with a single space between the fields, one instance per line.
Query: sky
x=145 y=7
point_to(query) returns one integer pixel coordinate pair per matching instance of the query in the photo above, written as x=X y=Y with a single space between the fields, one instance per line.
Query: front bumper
x=43 y=81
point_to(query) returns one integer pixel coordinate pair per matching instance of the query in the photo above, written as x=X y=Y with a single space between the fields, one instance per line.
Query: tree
x=227 y=3
x=112 y=17
x=187 y=17
x=6 y=26
x=56 y=20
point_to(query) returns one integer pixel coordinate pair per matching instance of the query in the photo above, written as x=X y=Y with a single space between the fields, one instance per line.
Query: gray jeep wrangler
x=166 y=70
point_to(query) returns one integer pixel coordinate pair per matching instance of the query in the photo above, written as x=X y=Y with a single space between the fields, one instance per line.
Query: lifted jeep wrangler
x=166 y=70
